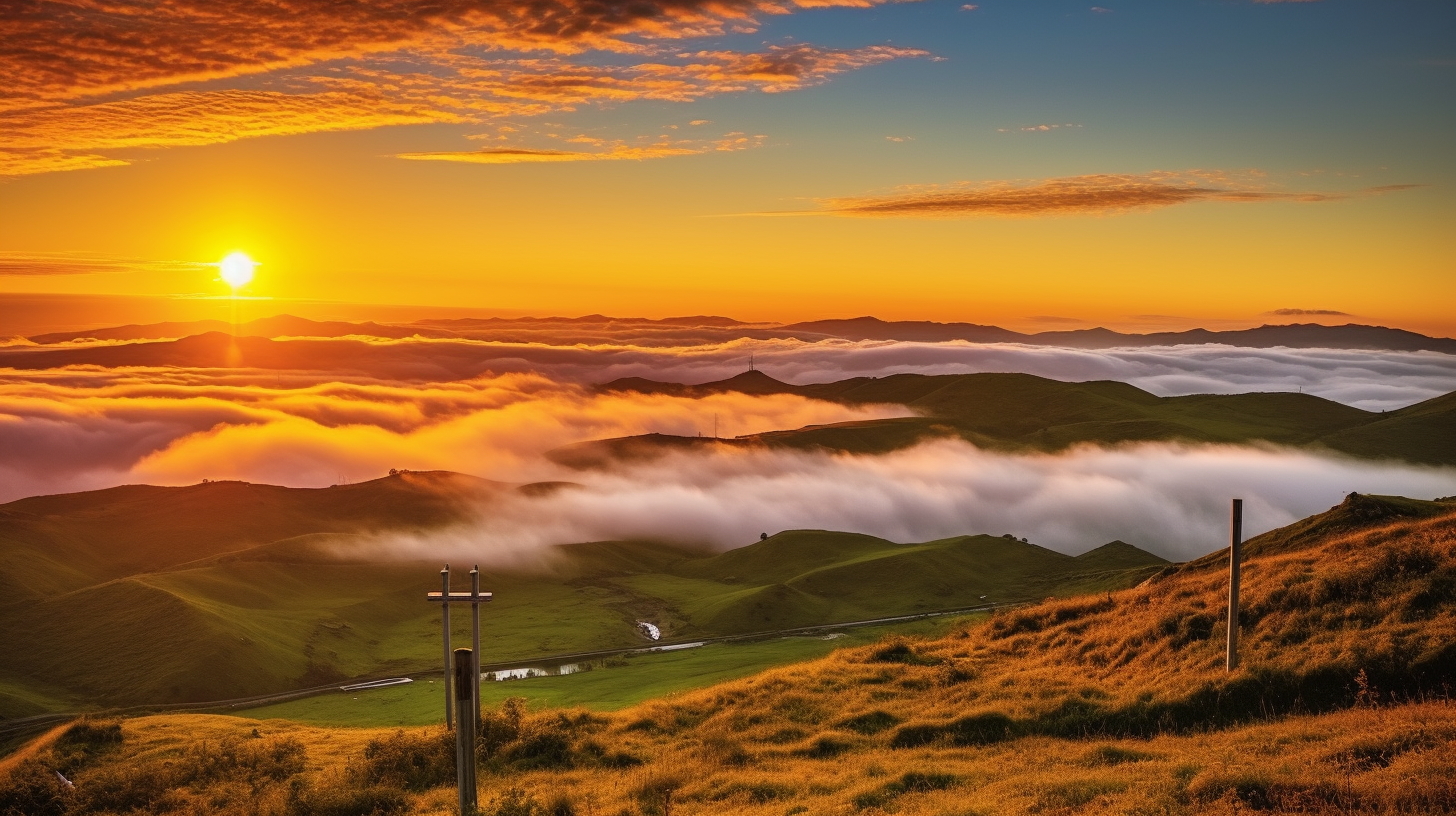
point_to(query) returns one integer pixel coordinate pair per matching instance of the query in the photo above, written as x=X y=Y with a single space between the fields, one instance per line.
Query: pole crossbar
x=459 y=597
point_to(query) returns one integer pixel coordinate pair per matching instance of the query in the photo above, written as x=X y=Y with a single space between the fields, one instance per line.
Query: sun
x=237 y=269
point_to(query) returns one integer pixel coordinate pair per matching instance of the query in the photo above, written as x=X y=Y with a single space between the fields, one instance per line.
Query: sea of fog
x=1169 y=499
x=81 y=428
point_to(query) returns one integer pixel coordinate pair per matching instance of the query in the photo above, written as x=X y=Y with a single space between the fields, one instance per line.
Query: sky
x=1039 y=165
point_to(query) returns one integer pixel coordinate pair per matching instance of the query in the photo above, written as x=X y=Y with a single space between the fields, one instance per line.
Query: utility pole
x=475 y=634
x=1236 y=531
x=452 y=670
x=445 y=625
x=466 y=700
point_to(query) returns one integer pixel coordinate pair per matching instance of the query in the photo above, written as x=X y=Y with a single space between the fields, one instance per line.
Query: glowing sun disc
x=237 y=269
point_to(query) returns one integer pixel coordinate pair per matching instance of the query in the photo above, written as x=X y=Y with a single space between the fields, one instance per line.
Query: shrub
x=233 y=759
x=346 y=800
x=1075 y=793
x=756 y=792
x=145 y=786
x=540 y=750
x=911 y=782
x=824 y=748
x=898 y=651
x=1113 y=755
x=513 y=801
x=32 y=789
x=412 y=761
x=870 y=723
x=981 y=729
x=656 y=792
x=501 y=727
x=1183 y=629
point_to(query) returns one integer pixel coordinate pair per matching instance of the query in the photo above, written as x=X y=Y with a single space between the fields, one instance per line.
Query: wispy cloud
x=80 y=49
x=1037 y=128
x=1056 y=319
x=614 y=151
x=395 y=90
x=1295 y=312
x=1078 y=195
x=60 y=263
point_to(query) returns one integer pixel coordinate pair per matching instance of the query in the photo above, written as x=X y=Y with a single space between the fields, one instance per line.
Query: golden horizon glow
x=236 y=269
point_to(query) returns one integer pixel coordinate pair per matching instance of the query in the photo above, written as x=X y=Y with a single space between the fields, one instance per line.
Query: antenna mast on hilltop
x=750 y=362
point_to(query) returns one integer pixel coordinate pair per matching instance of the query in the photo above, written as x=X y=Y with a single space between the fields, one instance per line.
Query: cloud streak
x=1300 y=312
x=1103 y=194
x=59 y=263
x=615 y=151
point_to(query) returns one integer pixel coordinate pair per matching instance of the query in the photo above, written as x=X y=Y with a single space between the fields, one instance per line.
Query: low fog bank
x=73 y=430
x=1172 y=500
x=1372 y=380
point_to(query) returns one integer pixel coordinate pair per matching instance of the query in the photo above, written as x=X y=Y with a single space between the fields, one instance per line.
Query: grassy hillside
x=1110 y=703
x=227 y=590
x=1024 y=412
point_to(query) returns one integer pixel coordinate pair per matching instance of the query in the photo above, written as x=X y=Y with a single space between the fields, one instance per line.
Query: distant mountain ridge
x=560 y=330
x=1294 y=335
x=1018 y=412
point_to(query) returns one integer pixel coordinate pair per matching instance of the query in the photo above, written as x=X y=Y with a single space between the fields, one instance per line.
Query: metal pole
x=475 y=632
x=465 y=730
x=445 y=619
x=1236 y=524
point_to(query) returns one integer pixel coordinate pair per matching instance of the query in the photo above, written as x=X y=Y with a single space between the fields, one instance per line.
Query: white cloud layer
x=1172 y=500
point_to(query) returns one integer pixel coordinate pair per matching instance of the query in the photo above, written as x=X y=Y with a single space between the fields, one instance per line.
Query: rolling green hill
x=157 y=595
x=1023 y=412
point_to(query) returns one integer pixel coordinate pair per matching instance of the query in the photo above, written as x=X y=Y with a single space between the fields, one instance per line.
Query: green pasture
x=608 y=686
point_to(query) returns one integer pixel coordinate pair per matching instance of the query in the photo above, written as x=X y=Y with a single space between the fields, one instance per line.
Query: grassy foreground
x=1113 y=703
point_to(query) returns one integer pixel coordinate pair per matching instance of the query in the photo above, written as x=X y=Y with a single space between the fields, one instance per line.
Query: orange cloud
x=448 y=88
x=1078 y=195
x=616 y=151
x=78 y=48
